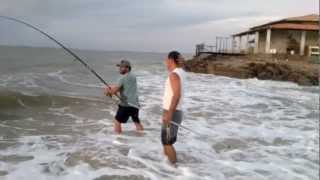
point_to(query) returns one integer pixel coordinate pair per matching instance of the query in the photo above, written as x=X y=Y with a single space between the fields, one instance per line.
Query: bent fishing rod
x=62 y=46
x=76 y=57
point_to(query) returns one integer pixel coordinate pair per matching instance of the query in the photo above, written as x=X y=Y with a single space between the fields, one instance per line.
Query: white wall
x=280 y=40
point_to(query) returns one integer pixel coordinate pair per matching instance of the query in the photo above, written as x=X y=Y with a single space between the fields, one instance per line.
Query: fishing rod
x=63 y=47
x=183 y=127
x=77 y=58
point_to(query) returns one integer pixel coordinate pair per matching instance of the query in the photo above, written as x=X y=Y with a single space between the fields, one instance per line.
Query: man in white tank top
x=172 y=105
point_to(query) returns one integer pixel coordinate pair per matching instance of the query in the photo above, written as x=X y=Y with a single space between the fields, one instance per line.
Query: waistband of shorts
x=176 y=111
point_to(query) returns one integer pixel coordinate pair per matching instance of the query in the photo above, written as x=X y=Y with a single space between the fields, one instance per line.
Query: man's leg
x=139 y=126
x=170 y=152
x=167 y=141
x=117 y=127
x=135 y=117
x=122 y=116
x=169 y=135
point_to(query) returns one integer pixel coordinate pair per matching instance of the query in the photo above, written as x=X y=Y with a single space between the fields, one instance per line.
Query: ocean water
x=55 y=123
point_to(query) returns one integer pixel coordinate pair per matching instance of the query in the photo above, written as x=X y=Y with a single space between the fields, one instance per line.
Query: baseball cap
x=124 y=63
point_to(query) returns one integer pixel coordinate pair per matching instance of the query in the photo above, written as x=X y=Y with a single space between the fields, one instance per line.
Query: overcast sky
x=140 y=25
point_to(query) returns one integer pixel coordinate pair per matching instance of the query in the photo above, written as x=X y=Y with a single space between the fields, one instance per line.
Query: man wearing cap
x=129 y=102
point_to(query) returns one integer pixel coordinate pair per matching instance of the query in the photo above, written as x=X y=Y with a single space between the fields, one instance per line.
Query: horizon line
x=84 y=49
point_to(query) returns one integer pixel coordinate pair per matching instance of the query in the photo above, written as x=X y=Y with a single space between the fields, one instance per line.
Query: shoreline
x=263 y=67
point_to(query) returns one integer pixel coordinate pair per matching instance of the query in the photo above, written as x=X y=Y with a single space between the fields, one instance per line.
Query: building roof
x=310 y=17
x=307 y=22
x=293 y=26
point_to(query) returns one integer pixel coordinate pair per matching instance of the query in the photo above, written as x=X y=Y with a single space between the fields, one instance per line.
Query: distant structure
x=223 y=46
x=296 y=35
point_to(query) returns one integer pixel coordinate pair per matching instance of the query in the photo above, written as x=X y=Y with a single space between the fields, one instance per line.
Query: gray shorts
x=169 y=134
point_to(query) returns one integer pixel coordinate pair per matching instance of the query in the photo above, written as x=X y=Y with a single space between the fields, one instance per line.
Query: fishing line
x=63 y=47
x=186 y=128
x=78 y=58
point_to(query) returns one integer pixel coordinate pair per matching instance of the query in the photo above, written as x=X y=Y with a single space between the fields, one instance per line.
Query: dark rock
x=263 y=68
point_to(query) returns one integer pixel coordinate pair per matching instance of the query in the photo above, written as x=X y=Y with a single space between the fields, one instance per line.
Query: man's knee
x=139 y=126
x=117 y=126
x=168 y=136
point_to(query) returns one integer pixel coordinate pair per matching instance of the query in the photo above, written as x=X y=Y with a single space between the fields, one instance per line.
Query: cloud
x=140 y=25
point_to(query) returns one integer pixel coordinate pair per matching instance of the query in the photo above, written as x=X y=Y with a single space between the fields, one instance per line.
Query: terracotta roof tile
x=310 y=17
x=295 y=26
x=308 y=22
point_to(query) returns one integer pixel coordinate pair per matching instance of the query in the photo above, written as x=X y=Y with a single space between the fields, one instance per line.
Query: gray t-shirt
x=129 y=90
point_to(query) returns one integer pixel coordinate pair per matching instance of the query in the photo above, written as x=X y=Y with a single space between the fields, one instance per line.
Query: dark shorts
x=124 y=112
x=169 y=134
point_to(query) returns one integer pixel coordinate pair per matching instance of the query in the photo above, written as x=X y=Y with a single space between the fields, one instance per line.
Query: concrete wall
x=312 y=38
x=280 y=40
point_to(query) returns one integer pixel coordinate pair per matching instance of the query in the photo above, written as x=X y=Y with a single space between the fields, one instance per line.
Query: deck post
x=247 y=43
x=240 y=43
x=302 y=42
x=268 y=41
x=256 y=43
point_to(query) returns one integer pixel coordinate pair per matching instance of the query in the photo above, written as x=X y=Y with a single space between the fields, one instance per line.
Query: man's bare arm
x=112 y=90
x=176 y=89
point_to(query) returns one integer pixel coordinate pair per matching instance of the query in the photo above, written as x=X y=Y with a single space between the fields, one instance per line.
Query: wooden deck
x=221 y=53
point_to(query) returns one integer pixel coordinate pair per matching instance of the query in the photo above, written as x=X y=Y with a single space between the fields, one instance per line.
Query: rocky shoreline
x=277 y=68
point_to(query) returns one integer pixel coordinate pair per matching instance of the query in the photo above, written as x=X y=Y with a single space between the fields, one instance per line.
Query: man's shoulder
x=128 y=78
x=174 y=75
x=131 y=76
